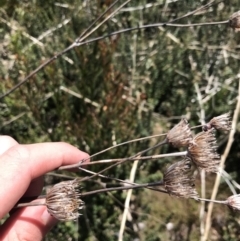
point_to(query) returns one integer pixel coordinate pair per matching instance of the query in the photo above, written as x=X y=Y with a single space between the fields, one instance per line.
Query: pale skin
x=21 y=171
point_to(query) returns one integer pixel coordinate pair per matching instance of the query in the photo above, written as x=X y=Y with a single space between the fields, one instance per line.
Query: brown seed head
x=203 y=151
x=179 y=181
x=233 y=202
x=234 y=21
x=180 y=135
x=63 y=200
x=221 y=122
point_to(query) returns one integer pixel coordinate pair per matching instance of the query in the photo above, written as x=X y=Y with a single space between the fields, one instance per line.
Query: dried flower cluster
x=63 y=200
x=179 y=181
x=234 y=21
x=203 y=151
x=233 y=202
x=221 y=122
x=180 y=135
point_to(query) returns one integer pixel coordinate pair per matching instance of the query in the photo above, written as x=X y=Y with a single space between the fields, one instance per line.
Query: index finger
x=22 y=163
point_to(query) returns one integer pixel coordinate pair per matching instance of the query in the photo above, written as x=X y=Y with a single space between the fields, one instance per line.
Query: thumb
x=30 y=223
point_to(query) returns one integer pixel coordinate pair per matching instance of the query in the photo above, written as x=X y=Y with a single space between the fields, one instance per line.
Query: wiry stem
x=95 y=21
x=126 y=142
x=160 y=183
x=130 y=158
x=82 y=163
x=183 y=153
x=213 y=201
x=35 y=200
x=80 y=39
x=107 y=161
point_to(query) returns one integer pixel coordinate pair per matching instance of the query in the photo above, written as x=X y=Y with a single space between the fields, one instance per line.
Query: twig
x=223 y=159
x=82 y=162
x=79 y=40
x=174 y=154
x=126 y=142
x=121 y=181
x=121 y=162
x=96 y=20
x=160 y=183
x=40 y=200
x=127 y=202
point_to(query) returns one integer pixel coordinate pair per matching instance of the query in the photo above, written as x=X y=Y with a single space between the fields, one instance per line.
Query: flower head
x=233 y=202
x=203 y=151
x=179 y=181
x=63 y=200
x=180 y=135
x=221 y=122
x=234 y=21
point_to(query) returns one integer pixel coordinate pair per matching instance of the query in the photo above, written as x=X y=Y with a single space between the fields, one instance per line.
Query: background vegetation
x=119 y=88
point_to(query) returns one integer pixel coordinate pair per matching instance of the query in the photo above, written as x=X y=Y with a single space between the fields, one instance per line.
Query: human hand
x=21 y=170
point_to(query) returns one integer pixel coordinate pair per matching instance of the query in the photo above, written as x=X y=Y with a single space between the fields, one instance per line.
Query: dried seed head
x=180 y=135
x=63 y=200
x=203 y=151
x=179 y=181
x=234 y=21
x=221 y=122
x=233 y=202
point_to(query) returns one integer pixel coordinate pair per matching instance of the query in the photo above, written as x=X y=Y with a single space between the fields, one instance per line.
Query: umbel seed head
x=234 y=21
x=203 y=151
x=180 y=135
x=63 y=200
x=179 y=181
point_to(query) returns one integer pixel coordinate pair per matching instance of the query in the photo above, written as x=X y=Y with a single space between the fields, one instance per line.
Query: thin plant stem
x=122 y=188
x=34 y=200
x=120 y=162
x=120 y=180
x=126 y=142
x=194 y=127
x=154 y=25
x=21 y=205
x=96 y=20
x=183 y=153
x=213 y=201
x=195 y=11
x=79 y=40
x=127 y=202
x=107 y=177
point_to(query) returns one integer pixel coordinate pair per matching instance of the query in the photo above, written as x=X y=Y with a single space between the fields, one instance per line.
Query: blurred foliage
x=120 y=88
